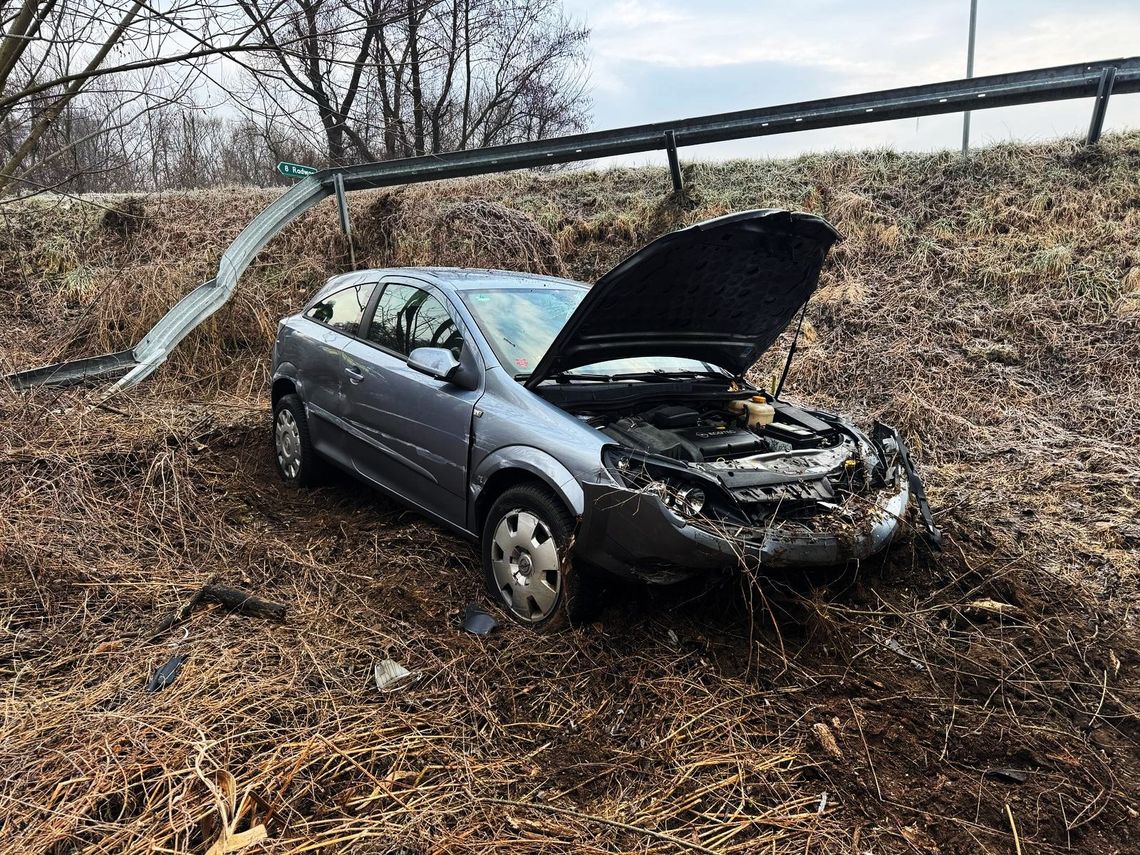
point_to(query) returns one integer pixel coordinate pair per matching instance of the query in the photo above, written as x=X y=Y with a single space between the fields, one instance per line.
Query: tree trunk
x=417 y=94
x=467 y=72
x=386 y=99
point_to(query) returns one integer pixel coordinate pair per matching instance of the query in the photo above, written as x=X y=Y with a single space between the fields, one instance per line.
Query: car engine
x=795 y=465
x=719 y=434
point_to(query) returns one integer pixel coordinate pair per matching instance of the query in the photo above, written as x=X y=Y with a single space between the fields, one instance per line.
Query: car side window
x=342 y=310
x=407 y=317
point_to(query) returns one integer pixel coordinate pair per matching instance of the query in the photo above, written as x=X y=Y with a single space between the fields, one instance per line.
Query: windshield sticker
x=521 y=362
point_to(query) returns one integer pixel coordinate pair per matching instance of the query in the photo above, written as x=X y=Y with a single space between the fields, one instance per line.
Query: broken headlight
x=678 y=488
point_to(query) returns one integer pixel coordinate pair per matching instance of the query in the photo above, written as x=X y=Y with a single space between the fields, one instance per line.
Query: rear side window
x=342 y=310
x=407 y=317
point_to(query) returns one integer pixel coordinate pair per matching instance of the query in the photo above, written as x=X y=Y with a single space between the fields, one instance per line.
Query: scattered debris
x=893 y=645
x=243 y=602
x=389 y=674
x=617 y=721
x=989 y=606
x=167 y=674
x=822 y=802
x=990 y=445
x=1017 y=776
x=827 y=742
x=477 y=621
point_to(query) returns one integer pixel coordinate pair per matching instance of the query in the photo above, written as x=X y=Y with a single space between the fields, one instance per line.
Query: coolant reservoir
x=759 y=411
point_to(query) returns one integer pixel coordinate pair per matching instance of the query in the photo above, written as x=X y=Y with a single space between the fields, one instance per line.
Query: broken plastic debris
x=167 y=674
x=389 y=674
x=478 y=621
x=892 y=645
x=1017 y=776
x=993 y=607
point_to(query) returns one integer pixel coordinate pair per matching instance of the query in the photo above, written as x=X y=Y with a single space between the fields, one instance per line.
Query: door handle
x=355 y=375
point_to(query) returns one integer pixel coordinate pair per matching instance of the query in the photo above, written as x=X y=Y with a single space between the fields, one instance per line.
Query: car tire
x=293 y=452
x=526 y=544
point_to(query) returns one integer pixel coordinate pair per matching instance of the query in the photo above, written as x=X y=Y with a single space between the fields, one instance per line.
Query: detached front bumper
x=634 y=534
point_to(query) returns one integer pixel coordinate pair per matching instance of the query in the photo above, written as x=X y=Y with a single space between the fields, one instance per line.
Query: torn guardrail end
x=106 y=367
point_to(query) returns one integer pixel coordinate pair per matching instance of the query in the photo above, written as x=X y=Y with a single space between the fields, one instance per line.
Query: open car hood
x=720 y=292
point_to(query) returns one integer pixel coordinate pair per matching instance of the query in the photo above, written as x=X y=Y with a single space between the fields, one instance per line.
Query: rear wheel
x=293 y=451
x=526 y=561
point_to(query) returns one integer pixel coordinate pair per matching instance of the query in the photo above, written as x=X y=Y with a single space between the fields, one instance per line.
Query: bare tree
x=320 y=48
x=409 y=77
x=528 y=78
x=53 y=53
x=500 y=55
x=122 y=94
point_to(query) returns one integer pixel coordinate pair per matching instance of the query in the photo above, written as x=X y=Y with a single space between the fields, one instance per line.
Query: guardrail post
x=1100 y=105
x=342 y=211
x=674 y=164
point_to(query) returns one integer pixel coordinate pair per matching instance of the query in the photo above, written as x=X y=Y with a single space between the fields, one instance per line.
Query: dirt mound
x=920 y=704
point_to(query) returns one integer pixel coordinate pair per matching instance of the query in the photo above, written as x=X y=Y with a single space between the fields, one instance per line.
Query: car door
x=407 y=431
x=334 y=322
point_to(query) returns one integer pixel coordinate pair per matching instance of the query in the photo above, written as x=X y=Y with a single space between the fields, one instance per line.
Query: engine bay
x=736 y=460
x=717 y=433
x=742 y=457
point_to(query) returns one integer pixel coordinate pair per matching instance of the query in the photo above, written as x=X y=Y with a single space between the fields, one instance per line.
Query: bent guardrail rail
x=1098 y=80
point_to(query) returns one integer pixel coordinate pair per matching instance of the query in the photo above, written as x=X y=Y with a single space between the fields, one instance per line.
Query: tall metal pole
x=969 y=74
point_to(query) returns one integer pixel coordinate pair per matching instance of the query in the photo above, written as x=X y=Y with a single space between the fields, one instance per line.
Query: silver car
x=576 y=430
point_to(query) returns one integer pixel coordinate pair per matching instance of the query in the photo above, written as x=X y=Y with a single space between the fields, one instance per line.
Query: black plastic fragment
x=1016 y=776
x=167 y=674
x=477 y=621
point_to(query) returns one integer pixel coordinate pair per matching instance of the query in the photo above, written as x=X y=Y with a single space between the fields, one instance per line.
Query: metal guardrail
x=1097 y=80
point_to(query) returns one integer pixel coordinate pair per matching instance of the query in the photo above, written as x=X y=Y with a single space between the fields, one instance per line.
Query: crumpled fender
x=535 y=462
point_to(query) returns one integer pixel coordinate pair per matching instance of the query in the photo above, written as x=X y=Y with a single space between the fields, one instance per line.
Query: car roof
x=459 y=278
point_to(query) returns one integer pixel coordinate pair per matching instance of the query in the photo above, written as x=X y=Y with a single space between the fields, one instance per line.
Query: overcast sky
x=655 y=60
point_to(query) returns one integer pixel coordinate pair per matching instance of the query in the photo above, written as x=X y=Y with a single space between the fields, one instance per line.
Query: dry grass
x=917 y=706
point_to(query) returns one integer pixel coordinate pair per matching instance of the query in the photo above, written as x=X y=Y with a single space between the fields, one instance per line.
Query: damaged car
x=574 y=430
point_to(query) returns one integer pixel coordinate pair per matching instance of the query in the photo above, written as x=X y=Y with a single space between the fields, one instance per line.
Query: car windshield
x=520 y=324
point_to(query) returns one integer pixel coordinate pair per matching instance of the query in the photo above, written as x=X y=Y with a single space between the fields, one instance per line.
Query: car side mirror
x=437 y=362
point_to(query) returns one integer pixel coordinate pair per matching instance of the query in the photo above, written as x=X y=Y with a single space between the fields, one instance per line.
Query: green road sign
x=294 y=170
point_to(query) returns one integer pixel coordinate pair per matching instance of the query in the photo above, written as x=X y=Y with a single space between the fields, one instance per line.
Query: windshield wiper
x=669 y=375
x=574 y=375
x=564 y=376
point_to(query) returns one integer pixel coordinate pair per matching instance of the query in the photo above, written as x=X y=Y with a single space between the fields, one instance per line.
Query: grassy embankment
x=991 y=310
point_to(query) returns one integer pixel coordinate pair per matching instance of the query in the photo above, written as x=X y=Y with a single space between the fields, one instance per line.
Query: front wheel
x=526 y=560
x=297 y=461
